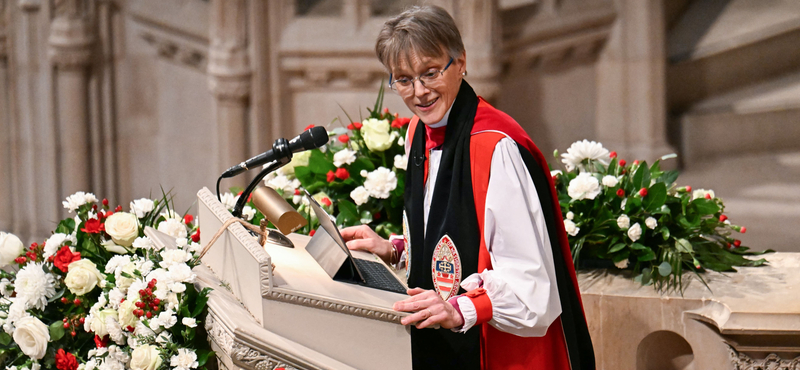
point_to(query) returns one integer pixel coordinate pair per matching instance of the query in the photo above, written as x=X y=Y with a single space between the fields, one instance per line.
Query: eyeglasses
x=405 y=85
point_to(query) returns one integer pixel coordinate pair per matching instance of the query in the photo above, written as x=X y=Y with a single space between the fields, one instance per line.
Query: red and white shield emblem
x=446 y=268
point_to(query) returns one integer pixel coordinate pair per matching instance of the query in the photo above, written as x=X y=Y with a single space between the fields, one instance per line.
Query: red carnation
x=357 y=125
x=196 y=236
x=344 y=138
x=622 y=163
x=101 y=343
x=737 y=243
x=93 y=226
x=722 y=218
x=400 y=122
x=326 y=201
x=309 y=127
x=620 y=193
x=188 y=219
x=65 y=360
x=331 y=176
x=64 y=257
x=342 y=174
x=612 y=155
x=643 y=192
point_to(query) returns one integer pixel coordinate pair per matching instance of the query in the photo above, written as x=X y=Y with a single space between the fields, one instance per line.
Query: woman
x=485 y=247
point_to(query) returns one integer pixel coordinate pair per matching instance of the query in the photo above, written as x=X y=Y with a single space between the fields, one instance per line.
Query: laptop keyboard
x=378 y=276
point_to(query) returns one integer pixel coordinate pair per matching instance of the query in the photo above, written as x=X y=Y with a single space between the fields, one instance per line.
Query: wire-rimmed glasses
x=405 y=85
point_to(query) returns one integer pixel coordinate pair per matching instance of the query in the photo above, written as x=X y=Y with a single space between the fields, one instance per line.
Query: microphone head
x=314 y=137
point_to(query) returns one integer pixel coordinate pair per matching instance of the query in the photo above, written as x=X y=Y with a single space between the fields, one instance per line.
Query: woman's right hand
x=362 y=238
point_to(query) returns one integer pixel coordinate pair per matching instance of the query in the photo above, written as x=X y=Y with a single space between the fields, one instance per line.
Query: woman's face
x=430 y=102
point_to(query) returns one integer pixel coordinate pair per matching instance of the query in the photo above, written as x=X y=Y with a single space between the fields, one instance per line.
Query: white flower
x=125 y=314
x=55 y=242
x=229 y=200
x=82 y=277
x=360 y=195
x=247 y=213
x=622 y=264
x=167 y=319
x=173 y=256
x=189 y=321
x=181 y=272
x=145 y=357
x=401 y=141
x=380 y=183
x=581 y=150
x=651 y=223
x=17 y=311
x=364 y=173
x=610 y=181
x=32 y=336
x=635 y=232
x=78 y=199
x=123 y=228
x=115 y=296
x=98 y=322
x=174 y=228
x=555 y=173
x=10 y=248
x=115 y=330
x=376 y=134
x=281 y=183
x=623 y=203
x=623 y=222
x=164 y=337
x=570 y=227
x=184 y=360
x=112 y=247
x=6 y=289
x=143 y=330
x=140 y=207
x=570 y=215
x=344 y=156
x=115 y=264
x=142 y=243
x=34 y=286
x=401 y=161
x=701 y=193
x=585 y=186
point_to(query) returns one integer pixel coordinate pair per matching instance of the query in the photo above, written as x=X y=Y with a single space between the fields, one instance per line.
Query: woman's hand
x=362 y=238
x=429 y=309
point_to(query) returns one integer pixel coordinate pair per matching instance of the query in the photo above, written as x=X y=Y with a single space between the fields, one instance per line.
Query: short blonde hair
x=426 y=31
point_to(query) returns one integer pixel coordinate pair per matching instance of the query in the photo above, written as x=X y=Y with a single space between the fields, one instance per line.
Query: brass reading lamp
x=280 y=213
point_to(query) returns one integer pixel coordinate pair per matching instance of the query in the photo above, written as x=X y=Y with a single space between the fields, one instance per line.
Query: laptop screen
x=327 y=223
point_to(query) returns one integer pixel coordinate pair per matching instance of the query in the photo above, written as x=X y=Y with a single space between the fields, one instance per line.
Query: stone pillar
x=6 y=190
x=229 y=77
x=70 y=52
x=631 y=93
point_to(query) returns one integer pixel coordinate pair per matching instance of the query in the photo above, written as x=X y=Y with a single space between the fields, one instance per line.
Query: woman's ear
x=462 y=63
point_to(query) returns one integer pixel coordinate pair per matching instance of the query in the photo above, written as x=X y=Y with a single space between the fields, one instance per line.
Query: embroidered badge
x=446 y=268
x=406 y=244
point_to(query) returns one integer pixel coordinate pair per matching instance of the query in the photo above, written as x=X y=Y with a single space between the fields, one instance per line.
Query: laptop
x=330 y=250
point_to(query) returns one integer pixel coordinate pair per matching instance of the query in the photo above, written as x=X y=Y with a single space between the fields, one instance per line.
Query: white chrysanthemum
x=623 y=222
x=115 y=296
x=701 y=193
x=248 y=213
x=610 y=181
x=229 y=200
x=78 y=199
x=173 y=227
x=570 y=227
x=401 y=161
x=380 y=183
x=344 y=156
x=582 y=150
x=280 y=182
x=635 y=232
x=55 y=242
x=184 y=360
x=34 y=286
x=585 y=186
x=189 y=322
x=6 y=289
x=651 y=223
x=140 y=207
x=360 y=195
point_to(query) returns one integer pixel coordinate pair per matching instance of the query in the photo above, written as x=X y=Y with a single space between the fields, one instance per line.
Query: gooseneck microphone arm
x=269 y=167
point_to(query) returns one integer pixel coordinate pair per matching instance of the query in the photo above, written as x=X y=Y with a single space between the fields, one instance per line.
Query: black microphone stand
x=269 y=167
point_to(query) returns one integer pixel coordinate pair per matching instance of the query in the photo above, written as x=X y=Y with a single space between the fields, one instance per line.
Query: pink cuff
x=454 y=302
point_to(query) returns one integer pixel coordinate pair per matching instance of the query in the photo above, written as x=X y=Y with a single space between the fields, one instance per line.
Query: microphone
x=282 y=150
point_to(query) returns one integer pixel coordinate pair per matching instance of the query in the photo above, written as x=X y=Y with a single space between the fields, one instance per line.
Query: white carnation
x=279 y=182
x=360 y=195
x=248 y=213
x=6 y=289
x=344 y=156
x=401 y=161
x=141 y=207
x=167 y=319
x=701 y=193
x=55 y=242
x=570 y=215
x=116 y=263
x=229 y=200
x=582 y=150
x=555 y=173
x=142 y=243
x=173 y=227
x=623 y=222
x=114 y=330
x=651 y=223
x=34 y=286
x=181 y=272
x=184 y=360
x=610 y=181
x=189 y=322
x=78 y=199
x=173 y=256
x=584 y=186
x=570 y=227
x=635 y=232
x=380 y=183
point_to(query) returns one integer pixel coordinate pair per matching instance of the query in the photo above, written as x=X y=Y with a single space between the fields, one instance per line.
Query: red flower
x=64 y=257
x=196 y=236
x=621 y=193
x=188 y=219
x=296 y=191
x=357 y=125
x=386 y=110
x=636 y=162
x=65 y=360
x=708 y=196
x=105 y=202
x=400 y=122
x=308 y=127
x=722 y=218
x=612 y=155
x=100 y=343
x=344 y=138
x=622 y=163
x=93 y=226
x=118 y=209
x=20 y=260
x=342 y=174
x=688 y=189
x=331 y=176
x=327 y=202
x=643 y=192
x=743 y=230
x=737 y=243
x=31 y=256
x=312 y=232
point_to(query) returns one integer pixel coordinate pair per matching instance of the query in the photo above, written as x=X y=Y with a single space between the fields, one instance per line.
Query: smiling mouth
x=428 y=104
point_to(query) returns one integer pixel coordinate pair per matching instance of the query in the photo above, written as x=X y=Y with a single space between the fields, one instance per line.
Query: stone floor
x=761 y=192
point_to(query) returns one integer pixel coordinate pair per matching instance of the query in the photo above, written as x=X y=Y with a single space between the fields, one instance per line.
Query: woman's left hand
x=429 y=309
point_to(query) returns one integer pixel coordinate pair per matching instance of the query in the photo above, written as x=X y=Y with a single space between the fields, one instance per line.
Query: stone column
x=6 y=190
x=229 y=76
x=70 y=52
x=631 y=94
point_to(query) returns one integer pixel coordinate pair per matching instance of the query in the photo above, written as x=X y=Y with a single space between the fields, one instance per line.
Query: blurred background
x=124 y=97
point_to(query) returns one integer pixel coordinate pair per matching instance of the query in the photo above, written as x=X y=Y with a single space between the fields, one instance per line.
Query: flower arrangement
x=99 y=294
x=635 y=216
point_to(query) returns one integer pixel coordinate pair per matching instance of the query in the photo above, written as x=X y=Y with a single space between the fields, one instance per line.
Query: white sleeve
x=522 y=285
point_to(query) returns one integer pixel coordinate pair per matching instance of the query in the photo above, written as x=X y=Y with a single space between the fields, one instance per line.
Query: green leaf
x=684 y=246
x=203 y=355
x=638 y=247
x=705 y=206
x=641 y=179
x=617 y=247
x=664 y=268
x=200 y=302
x=668 y=177
x=56 y=331
x=348 y=213
x=66 y=226
x=656 y=196
x=665 y=233
x=646 y=276
x=5 y=339
x=621 y=256
x=319 y=164
x=646 y=255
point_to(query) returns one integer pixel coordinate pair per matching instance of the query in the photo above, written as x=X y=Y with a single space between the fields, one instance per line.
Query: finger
x=415 y=291
x=430 y=321
x=417 y=317
x=360 y=245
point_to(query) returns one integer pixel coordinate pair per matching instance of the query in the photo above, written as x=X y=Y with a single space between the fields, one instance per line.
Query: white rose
x=300 y=159
x=635 y=232
x=145 y=357
x=585 y=186
x=32 y=336
x=401 y=141
x=173 y=228
x=141 y=207
x=623 y=203
x=401 y=161
x=125 y=314
x=651 y=223
x=380 y=183
x=376 y=134
x=360 y=195
x=570 y=227
x=123 y=228
x=701 y=193
x=570 y=215
x=10 y=248
x=185 y=359
x=610 y=181
x=623 y=222
x=189 y=321
x=82 y=277
x=344 y=156
x=112 y=247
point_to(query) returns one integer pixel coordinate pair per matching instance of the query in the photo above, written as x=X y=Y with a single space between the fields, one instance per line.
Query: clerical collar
x=435 y=132
x=443 y=122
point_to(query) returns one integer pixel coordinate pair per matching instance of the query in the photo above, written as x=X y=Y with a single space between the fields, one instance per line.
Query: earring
x=464 y=73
